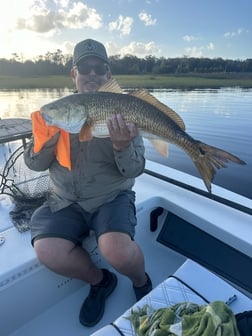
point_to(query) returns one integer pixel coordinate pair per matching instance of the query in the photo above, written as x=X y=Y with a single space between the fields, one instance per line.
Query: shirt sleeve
x=41 y=160
x=131 y=161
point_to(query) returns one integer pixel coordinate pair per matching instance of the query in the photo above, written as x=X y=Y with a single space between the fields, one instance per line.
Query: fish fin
x=85 y=133
x=161 y=146
x=147 y=97
x=111 y=86
x=210 y=159
x=158 y=143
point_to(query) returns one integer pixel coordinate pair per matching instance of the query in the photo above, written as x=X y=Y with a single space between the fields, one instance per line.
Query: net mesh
x=28 y=188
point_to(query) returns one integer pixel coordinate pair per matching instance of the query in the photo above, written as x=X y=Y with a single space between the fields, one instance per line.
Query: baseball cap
x=87 y=48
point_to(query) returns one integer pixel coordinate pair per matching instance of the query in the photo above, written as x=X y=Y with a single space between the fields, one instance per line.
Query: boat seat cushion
x=190 y=283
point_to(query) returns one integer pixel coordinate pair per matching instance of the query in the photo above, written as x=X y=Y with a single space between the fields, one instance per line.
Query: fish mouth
x=74 y=128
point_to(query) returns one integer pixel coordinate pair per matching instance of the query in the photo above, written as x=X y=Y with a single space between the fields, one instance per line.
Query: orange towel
x=42 y=133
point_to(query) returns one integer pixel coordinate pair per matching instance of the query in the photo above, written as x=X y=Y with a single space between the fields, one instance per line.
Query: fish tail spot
x=202 y=151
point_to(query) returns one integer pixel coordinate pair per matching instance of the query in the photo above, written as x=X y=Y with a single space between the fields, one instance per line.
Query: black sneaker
x=93 y=307
x=144 y=290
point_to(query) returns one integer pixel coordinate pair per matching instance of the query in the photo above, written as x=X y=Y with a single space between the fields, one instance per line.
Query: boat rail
x=12 y=129
x=201 y=192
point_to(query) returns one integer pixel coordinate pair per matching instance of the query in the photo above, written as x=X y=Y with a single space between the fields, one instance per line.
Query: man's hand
x=121 y=134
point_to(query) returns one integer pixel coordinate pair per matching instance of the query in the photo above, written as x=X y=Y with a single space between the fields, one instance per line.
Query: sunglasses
x=99 y=69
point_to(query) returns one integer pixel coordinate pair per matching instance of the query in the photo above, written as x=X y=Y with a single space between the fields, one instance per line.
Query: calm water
x=222 y=118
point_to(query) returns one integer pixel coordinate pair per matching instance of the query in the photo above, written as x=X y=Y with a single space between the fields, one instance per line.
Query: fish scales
x=102 y=106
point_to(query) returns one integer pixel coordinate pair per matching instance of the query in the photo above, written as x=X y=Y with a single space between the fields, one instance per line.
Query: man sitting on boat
x=91 y=192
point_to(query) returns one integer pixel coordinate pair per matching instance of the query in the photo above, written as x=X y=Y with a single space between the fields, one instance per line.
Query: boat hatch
x=214 y=254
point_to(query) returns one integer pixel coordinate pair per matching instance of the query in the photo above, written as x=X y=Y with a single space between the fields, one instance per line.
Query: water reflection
x=20 y=103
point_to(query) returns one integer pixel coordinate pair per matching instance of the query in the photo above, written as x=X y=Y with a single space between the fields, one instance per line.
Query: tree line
x=55 y=63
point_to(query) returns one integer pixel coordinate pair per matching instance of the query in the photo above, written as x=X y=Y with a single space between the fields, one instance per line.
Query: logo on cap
x=91 y=46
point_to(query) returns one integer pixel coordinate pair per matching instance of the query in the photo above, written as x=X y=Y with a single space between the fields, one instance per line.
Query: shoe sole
x=99 y=317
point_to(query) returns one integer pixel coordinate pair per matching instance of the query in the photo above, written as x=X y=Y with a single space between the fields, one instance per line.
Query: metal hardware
x=2 y=240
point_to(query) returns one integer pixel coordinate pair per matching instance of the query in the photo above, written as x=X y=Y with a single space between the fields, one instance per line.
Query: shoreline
x=149 y=81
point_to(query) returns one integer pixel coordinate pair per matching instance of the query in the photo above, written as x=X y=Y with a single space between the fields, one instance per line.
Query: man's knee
x=116 y=247
x=52 y=250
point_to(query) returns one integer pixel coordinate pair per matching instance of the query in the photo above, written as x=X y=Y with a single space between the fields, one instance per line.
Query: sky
x=161 y=28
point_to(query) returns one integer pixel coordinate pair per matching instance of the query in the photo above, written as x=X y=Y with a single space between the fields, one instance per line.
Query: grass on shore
x=133 y=81
x=182 y=82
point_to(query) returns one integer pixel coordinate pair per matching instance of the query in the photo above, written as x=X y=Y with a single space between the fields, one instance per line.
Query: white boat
x=200 y=238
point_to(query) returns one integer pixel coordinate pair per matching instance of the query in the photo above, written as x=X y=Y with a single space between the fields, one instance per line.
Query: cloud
x=44 y=20
x=62 y=3
x=210 y=46
x=235 y=33
x=199 y=51
x=189 y=38
x=194 y=51
x=122 y=24
x=112 y=48
x=140 y=49
x=147 y=19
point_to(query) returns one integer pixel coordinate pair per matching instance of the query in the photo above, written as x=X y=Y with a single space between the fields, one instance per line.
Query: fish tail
x=210 y=159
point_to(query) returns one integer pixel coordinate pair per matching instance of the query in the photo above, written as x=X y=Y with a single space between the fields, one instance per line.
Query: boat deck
x=38 y=302
x=62 y=317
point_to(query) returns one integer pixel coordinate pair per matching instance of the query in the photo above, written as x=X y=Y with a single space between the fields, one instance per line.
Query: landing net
x=26 y=187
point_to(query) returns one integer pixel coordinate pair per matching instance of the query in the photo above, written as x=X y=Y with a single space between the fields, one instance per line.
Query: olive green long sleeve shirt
x=98 y=172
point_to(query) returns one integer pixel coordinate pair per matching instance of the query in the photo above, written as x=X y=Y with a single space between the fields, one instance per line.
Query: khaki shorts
x=73 y=223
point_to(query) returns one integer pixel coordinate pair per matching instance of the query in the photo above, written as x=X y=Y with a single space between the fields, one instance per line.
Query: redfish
x=86 y=114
